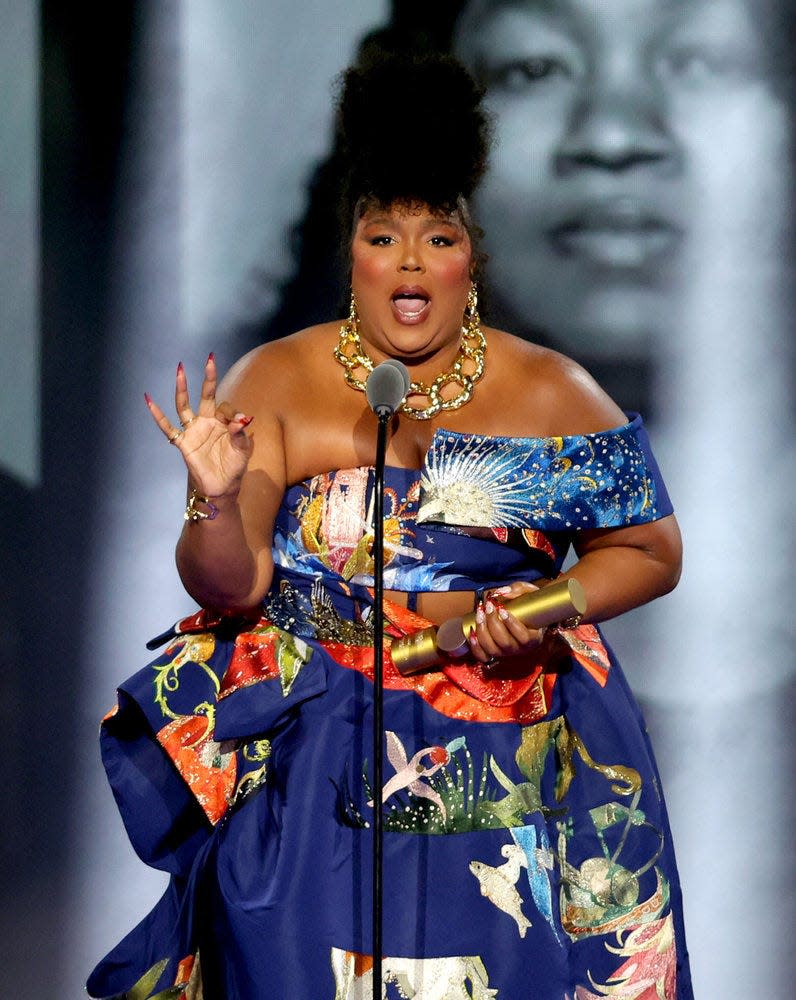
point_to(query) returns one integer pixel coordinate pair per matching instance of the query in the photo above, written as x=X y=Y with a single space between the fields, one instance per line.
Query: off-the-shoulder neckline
x=633 y=423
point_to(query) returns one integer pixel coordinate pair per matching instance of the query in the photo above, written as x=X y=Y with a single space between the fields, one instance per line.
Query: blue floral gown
x=527 y=853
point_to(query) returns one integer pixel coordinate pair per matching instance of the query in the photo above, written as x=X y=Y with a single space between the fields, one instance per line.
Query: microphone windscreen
x=387 y=386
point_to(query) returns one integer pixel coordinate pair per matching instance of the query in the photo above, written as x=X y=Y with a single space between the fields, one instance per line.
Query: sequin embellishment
x=557 y=483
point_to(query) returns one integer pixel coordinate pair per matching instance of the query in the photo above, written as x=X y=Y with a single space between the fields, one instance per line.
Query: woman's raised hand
x=212 y=441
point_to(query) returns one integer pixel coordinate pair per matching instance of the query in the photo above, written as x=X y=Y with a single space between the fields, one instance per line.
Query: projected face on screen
x=614 y=120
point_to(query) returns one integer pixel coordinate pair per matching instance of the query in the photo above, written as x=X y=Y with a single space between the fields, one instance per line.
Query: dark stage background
x=163 y=169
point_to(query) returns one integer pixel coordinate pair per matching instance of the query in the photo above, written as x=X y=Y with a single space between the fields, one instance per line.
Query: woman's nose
x=410 y=260
x=616 y=129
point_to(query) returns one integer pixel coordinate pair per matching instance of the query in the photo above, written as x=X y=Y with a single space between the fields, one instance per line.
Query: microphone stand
x=387 y=385
x=378 y=697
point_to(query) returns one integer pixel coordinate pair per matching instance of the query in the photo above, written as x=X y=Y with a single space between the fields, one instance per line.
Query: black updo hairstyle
x=382 y=92
x=411 y=131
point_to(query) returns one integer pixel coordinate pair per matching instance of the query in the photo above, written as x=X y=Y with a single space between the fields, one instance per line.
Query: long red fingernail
x=147 y=399
x=245 y=421
x=211 y=356
x=180 y=367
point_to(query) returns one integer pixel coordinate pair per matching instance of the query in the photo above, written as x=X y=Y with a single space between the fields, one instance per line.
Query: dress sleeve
x=608 y=479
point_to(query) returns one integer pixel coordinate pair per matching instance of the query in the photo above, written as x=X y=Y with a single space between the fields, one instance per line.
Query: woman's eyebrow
x=379 y=220
x=432 y=223
x=435 y=223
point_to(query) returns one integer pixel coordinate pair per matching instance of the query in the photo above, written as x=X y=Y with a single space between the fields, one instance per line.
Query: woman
x=526 y=845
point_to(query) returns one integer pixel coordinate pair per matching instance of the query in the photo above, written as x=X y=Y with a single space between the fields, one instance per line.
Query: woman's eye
x=695 y=65
x=441 y=241
x=380 y=241
x=521 y=74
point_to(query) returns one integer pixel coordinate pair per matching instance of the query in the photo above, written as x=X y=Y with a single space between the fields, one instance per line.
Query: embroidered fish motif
x=498 y=884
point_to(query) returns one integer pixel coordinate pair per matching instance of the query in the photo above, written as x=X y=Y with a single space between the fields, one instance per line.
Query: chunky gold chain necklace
x=467 y=369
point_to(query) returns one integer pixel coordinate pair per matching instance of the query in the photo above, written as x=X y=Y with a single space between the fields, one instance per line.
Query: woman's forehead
x=414 y=213
x=594 y=13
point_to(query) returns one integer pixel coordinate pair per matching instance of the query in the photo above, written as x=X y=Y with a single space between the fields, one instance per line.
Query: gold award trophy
x=424 y=650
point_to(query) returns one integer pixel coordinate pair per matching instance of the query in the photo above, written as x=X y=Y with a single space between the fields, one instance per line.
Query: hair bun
x=412 y=129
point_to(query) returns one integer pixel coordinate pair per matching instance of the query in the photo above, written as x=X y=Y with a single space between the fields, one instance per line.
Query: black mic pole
x=386 y=387
x=378 y=699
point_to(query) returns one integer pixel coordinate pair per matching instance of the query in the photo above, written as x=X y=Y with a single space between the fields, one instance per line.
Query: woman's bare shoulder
x=550 y=389
x=274 y=372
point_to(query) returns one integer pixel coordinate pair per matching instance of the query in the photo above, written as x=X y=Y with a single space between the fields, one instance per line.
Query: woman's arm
x=225 y=561
x=622 y=568
x=619 y=568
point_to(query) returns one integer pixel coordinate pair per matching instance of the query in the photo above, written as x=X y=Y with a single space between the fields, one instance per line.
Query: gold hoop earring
x=353 y=315
x=472 y=321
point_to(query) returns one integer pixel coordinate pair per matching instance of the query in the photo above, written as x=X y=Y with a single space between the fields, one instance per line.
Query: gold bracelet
x=192 y=512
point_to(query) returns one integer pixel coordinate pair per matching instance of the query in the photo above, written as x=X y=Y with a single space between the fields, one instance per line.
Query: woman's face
x=410 y=277
x=616 y=120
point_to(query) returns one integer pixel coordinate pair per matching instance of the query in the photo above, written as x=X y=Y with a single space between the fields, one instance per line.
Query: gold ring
x=188 y=422
x=173 y=437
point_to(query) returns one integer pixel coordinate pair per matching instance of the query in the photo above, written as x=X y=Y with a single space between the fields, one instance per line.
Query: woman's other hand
x=498 y=635
x=212 y=441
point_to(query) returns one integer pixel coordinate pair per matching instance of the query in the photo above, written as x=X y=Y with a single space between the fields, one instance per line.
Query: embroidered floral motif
x=193 y=649
x=440 y=790
x=650 y=972
x=448 y=797
x=599 y=896
x=510 y=490
x=218 y=774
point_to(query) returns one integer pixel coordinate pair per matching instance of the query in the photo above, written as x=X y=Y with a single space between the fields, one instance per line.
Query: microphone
x=387 y=386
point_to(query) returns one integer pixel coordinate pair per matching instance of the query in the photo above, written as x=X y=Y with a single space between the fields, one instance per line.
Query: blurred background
x=167 y=188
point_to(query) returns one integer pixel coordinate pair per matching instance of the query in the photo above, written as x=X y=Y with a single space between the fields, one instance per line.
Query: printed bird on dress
x=412 y=774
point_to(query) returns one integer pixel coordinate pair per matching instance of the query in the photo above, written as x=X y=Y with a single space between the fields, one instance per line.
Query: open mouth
x=410 y=304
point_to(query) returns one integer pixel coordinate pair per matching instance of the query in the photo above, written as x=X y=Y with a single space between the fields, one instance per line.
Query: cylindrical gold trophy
x=549 y=605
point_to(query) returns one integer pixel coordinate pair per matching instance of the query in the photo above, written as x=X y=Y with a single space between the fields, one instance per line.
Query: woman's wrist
x=203 y=507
